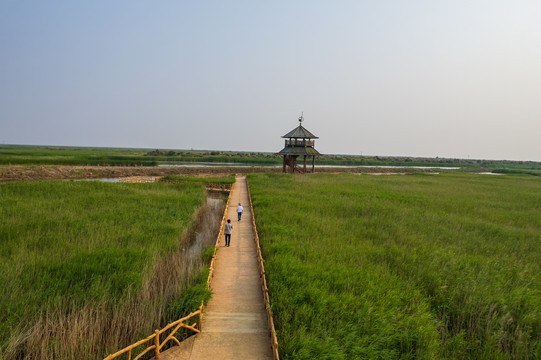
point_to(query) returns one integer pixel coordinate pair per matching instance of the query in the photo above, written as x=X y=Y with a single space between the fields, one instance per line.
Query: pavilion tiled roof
x=300 y=133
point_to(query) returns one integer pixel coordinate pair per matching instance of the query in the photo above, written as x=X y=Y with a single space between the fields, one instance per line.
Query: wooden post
x=284 y=169
x=313 y=164
x=157 y=343
x=305 y=164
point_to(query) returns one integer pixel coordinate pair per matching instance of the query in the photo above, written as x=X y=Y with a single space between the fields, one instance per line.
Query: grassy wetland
x=402 y=267
x=90 y=267
x=86 y=156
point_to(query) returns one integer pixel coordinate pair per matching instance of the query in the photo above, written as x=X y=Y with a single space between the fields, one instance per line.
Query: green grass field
x=88 y=254
x=402 y=267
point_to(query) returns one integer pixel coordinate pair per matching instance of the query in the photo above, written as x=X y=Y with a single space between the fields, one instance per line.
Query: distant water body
x=224 y=164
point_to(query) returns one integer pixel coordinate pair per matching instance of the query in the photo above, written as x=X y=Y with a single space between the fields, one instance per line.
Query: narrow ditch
x=98 y=329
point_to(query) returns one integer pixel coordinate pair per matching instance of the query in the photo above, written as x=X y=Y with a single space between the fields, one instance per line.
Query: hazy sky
x=457 y=78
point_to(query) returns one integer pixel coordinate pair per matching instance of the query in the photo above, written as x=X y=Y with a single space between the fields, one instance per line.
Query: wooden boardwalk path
x=235 y=322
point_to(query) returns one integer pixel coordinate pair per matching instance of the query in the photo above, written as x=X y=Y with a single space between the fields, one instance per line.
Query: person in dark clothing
x=227 y=232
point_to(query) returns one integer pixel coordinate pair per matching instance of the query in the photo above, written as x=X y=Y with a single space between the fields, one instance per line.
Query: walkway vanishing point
x=234 y=322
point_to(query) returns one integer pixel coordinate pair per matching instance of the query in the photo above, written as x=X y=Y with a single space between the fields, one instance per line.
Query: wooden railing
x=213 y=261
x=264 y=288
x=157 y=346
x=299 y=143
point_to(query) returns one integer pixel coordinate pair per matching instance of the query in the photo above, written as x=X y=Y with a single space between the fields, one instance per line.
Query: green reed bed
x=402 y=267
x=81 y=264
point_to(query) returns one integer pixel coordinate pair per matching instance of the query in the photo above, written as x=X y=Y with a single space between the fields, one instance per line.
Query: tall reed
x=92 y=301
x=402 y=267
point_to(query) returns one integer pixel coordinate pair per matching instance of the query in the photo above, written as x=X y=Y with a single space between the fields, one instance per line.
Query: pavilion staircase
x=298 y=169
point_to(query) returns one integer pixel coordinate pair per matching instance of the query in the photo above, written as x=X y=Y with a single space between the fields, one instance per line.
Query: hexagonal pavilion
x=299 y=142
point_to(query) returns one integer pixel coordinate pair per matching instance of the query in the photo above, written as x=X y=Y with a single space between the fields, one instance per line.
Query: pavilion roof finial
x=300 y=132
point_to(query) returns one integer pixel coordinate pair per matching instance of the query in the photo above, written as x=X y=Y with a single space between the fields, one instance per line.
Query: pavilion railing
x=154 y=339
x=299 y=143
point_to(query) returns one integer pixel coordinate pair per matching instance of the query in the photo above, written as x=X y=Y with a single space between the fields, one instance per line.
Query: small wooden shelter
x=299 y=142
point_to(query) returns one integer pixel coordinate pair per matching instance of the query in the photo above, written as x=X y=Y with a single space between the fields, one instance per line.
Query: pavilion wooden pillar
x=305 y=164
x=313 y=164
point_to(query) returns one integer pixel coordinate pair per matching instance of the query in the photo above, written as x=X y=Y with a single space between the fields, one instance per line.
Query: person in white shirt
x=239 y=211
x=227 y=232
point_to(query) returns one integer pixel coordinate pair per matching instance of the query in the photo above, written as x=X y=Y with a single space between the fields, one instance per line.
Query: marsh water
x=219 y=164
x=202 y=238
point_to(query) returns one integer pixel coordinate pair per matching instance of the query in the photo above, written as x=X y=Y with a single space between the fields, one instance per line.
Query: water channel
x=219 y=164
x=207 y=230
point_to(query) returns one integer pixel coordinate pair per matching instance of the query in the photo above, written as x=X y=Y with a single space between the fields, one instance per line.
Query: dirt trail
x=51 y=172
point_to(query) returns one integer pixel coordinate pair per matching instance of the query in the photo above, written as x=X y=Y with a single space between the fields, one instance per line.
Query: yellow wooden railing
x=264 y=288
x=157 y=346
